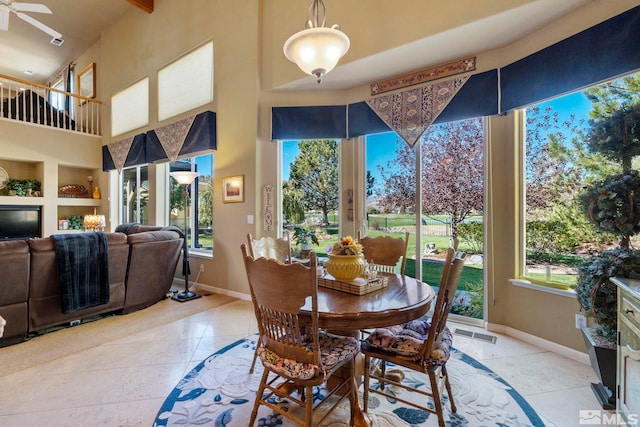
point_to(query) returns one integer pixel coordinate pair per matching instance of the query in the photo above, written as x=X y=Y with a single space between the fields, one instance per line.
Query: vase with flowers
x=345 y=260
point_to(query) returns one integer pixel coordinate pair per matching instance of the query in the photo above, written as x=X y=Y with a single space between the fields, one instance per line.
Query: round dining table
x=402 y=300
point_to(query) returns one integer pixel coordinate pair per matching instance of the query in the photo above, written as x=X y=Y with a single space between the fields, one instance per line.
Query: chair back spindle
x=451 y=272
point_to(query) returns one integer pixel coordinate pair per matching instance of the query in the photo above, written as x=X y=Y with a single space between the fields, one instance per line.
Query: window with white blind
x=130 y=108
x=186 y=83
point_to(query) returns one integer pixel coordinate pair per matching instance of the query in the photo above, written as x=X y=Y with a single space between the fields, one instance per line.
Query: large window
x=310 y=189
x=199 y=209
x=186 y=83
x=563 y=158
x=57 y=99
x=130 y=108
x=449 y=206
x=135 y=194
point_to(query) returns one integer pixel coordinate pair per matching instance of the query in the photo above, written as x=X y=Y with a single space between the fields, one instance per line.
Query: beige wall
x=248 y=61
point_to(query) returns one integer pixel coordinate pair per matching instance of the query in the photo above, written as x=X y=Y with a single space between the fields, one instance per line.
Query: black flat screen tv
x=20 y=222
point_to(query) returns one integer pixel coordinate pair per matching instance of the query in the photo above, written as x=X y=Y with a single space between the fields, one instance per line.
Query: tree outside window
x=560 y=163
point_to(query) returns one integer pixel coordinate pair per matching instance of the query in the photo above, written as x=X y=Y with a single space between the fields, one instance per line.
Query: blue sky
x=381 y=148
x=575 y=103
x=203 y=165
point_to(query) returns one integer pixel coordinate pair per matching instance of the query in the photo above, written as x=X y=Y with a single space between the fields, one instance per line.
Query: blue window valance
x=477 y=98
x=602 y=52
x=597 y=54
x=327 y=121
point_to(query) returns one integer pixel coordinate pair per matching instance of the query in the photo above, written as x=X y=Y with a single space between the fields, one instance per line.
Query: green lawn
x=432 y=271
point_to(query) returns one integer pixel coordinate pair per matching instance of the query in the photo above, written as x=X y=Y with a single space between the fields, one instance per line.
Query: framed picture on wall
x=87 y=81
x=233 y=189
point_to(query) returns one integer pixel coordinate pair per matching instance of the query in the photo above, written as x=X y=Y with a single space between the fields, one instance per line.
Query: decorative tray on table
x=359 y=286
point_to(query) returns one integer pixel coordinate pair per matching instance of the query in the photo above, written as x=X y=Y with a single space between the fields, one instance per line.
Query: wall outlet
x=581 y=321
x=201 y=268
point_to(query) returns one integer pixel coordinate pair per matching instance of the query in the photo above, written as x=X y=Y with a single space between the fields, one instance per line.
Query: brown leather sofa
x=14 y=290
x=146 y=287
x=45 y=306
x=141 y=270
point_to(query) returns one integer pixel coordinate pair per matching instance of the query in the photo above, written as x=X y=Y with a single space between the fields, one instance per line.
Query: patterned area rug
x=220 y=392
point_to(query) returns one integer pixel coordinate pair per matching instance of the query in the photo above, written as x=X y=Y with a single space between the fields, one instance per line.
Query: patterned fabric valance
x=125 y=153
x=478 y=97
x=119 y=151
x=190 y=135
x=409 y=113
x=172 y=137
x=604 y=51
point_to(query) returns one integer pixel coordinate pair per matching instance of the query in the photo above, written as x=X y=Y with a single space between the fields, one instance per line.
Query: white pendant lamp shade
x=316 y=50
x=184 y=177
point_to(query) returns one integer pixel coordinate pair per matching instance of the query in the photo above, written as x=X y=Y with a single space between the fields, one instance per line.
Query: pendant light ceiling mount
x=317 y=49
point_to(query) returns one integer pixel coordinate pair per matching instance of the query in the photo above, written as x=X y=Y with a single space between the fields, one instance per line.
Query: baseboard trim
x=561 y=350
x=227 y=292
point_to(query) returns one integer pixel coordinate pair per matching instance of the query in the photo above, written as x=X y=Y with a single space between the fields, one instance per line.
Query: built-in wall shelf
x=22 y=201
x=71 y=201
x=55 y=175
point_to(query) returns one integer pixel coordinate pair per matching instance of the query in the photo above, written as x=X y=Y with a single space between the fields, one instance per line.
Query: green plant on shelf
x=75 y=222
x=20 y=187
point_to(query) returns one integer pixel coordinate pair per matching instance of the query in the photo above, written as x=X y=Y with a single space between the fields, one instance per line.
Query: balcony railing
x=42 y=105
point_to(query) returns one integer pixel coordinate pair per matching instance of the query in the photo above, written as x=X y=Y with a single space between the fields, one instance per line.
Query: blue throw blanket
x=83 y=270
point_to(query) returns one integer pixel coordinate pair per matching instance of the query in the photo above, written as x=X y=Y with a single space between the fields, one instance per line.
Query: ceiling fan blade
x=53 y=33
x=30 y=7
x=4 y=19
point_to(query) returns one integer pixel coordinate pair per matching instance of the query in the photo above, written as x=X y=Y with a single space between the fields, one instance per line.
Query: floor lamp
x=185 y=178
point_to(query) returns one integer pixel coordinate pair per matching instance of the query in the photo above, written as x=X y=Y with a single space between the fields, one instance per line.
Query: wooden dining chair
x=292 y=347
x=269 y=247
x=419 y=345
x=383 y=253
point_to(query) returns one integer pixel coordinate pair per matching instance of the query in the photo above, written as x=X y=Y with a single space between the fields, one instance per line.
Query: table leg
x=361 y=419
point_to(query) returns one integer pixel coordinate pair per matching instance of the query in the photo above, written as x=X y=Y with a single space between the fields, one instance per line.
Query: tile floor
x=124 y=382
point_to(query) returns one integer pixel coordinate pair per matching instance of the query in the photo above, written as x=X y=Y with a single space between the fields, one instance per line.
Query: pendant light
x=317 y=49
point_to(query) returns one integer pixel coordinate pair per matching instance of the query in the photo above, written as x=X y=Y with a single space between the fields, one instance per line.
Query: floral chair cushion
x=408 y=339
x=334 y=349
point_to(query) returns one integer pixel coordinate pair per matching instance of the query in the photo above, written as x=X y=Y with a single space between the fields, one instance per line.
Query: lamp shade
x=316 y=50
x=184 y=177
x=94 y=222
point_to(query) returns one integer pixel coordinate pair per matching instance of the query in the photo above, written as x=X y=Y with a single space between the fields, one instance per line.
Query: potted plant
x=305 y=238
x=22 y=187
x=345 y=260
x=75 y=222
x=612 y=205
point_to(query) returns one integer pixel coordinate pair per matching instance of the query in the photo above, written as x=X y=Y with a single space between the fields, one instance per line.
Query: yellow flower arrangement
x=346 y=246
